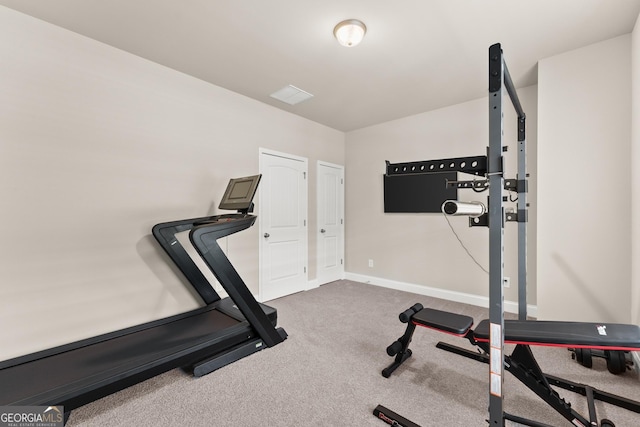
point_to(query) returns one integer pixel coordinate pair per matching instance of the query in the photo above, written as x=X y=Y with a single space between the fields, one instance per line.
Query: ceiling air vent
x=291 y=95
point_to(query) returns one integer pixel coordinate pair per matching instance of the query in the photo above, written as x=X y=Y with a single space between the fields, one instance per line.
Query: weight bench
x=521 y=363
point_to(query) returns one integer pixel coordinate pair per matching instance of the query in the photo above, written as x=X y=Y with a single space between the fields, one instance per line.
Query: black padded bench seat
x=457 y=324
x=603 y=336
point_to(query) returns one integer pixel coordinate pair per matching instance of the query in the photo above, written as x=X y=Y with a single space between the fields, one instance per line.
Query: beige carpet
x=327 y=373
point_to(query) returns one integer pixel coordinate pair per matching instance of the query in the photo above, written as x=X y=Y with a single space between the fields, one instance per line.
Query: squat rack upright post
x=499 y=80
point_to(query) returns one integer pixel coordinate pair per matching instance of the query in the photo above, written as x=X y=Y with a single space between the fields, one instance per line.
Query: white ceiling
x=417 y=55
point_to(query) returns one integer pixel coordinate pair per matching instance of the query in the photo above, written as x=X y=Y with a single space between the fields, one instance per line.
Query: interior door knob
x=266 y=235
x=322 y=230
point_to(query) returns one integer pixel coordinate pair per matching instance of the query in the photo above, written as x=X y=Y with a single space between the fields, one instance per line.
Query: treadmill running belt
x=68 y=373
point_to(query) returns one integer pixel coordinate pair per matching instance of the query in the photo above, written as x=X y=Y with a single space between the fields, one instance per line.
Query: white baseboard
x=477 y=300
x=311 y=284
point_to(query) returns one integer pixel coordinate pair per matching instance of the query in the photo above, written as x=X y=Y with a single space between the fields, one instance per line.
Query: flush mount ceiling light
x=350 y=32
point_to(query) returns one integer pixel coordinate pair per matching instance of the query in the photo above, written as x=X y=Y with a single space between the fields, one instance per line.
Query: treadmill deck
x=61 y=376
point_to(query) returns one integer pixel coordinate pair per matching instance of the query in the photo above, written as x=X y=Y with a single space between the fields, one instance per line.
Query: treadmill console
x=239 y=194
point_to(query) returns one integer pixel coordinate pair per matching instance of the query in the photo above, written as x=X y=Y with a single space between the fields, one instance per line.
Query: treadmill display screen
x=240 y=192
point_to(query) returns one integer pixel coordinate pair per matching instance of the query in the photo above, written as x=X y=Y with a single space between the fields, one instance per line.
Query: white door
x=283 y=224
x=330 y=230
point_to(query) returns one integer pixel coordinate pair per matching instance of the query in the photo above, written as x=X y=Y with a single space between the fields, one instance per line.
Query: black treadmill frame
x=255 y=327
x=74 y=395
x=204 y=235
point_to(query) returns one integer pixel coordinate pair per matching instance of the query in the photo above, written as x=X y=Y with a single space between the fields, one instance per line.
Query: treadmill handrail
x=165 y=234
x=204 y=239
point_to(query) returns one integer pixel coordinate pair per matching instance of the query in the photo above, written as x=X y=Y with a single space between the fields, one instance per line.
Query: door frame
x=341 y=213
x=265 y=151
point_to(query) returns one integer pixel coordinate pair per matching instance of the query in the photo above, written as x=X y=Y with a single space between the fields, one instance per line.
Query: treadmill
x=199 y=341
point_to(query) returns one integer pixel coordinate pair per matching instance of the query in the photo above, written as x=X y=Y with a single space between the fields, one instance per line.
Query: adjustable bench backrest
x=603 y=336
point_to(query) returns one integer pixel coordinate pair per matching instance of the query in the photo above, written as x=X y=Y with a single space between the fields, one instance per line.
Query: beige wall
x=419 y=252
x=98 y=146
x=635 y=172
x=584 y=190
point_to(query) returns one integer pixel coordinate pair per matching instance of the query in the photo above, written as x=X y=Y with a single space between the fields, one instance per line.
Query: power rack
x=490 y=335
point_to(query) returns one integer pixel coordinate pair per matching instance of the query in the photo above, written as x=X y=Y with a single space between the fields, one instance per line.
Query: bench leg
x=523 y=365
x=399 y=349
